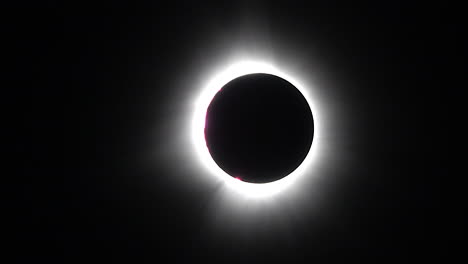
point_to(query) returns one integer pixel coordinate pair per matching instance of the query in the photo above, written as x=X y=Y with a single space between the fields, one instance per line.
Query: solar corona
x=249 y=187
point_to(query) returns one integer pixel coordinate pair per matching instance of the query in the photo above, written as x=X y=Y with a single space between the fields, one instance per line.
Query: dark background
x=88 y=83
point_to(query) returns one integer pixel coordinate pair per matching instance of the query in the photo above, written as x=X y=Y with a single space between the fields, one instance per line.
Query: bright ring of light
x=198 y=127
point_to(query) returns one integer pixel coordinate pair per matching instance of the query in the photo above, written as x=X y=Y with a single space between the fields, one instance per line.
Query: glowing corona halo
x=249 y=190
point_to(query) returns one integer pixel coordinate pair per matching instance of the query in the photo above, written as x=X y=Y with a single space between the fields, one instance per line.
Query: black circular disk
x=259 y=128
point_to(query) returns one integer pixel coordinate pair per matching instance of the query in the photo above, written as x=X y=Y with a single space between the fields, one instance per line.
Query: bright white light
x=249 y=190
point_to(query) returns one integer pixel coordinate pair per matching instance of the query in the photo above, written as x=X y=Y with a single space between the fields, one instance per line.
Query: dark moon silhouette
x=259 y=128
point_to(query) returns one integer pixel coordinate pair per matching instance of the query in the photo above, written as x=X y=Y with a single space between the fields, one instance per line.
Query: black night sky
x=102 y=171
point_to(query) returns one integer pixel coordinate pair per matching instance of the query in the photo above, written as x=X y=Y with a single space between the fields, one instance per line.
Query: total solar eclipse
x=258 y=128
